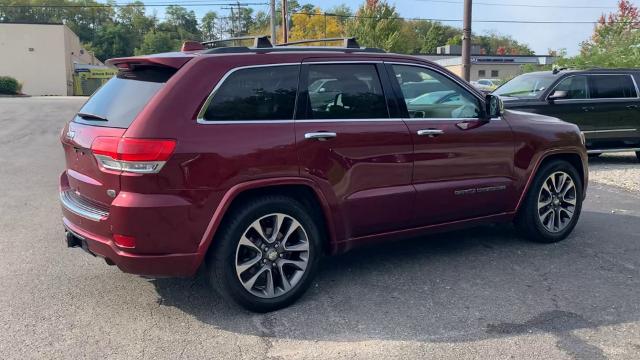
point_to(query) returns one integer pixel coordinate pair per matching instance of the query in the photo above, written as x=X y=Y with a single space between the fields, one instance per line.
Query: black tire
x=528 y=219
x=221 y=262
x=638 y=155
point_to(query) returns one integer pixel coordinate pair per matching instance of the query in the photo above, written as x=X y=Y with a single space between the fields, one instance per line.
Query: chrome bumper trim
x=78 y=206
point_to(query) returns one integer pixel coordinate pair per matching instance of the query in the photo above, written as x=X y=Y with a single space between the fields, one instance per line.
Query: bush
x=9 y=85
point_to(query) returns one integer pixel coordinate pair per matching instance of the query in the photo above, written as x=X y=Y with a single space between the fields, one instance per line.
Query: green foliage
x=9 y=85
x=117 y=31
x=424 y=37
x=615 y=42
x=377 y=25
x=158 y=42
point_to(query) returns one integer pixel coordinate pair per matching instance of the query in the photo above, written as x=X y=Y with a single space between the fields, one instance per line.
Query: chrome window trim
x=596 y=100
x=200 y=118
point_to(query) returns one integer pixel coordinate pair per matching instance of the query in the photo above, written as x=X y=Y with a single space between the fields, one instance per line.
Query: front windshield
x=526 y=86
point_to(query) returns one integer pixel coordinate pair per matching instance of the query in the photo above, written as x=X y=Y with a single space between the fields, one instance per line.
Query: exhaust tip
x=72 y=240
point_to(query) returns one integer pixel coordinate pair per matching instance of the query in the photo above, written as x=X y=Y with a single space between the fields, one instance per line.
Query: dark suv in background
x=604 y=103
x=255 y=162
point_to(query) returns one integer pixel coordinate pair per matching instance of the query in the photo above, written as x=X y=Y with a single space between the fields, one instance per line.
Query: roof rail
x=259 y=42
x=349 y=43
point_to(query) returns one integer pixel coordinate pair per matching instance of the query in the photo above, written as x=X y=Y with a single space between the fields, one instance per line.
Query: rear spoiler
x=172 y=60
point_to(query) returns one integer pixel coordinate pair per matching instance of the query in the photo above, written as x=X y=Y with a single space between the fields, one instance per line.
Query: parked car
x=224 y=159
x=486 y=85
x=604 y=103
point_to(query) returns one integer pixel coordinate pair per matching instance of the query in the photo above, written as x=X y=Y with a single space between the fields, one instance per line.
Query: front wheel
x=266 y=254
x=553 y=203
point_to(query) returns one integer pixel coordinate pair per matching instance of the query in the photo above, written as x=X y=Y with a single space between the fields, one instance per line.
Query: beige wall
x=505 y=71
x=41 y=57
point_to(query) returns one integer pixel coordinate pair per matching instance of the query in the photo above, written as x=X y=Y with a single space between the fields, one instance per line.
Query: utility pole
x=466 y=41
x=272 y=9
x=285 y=31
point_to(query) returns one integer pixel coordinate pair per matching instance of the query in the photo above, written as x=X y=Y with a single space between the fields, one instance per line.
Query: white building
x=42 y=57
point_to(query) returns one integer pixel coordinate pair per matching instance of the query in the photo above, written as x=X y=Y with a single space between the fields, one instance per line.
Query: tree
x=157 y=42
x=615 y=41
x=113 y=40
x=210 y=26
x=183 y=21
x=376 y=25
x=342 y=13
x=314 y=25
x=424 y=37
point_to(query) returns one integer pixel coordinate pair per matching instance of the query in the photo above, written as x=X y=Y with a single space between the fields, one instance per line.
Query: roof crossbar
x=259 y=42
x=349 y=43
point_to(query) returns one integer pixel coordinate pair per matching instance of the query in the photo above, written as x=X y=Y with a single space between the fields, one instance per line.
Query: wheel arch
x=301 y=189
x=572 y=156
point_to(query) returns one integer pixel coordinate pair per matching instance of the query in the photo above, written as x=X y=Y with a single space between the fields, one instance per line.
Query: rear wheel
x=553 y=203
x=266 y=255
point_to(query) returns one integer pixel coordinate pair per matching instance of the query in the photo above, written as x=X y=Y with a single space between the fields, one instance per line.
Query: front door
x=353 y=147
x=462 y=165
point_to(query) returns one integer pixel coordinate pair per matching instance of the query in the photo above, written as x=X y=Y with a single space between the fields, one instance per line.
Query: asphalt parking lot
x=480 y=293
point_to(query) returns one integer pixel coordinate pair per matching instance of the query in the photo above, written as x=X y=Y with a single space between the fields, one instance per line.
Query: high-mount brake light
x=142 y=156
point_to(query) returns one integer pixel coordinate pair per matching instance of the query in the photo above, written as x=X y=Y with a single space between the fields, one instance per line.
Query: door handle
x=430 y=132
x=321 y=135
x=632 y=107
x=588 y=108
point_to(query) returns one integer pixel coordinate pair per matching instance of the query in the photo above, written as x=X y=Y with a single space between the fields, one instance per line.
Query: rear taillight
x=143 y=156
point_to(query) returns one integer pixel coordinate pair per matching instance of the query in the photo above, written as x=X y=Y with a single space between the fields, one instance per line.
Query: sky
x=539 y=37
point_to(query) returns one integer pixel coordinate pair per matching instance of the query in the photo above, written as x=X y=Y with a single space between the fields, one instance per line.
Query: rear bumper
x=170 y=265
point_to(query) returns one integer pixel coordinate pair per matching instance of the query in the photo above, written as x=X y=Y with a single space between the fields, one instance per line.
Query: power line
x=127 y=5
x=524 y=5
x=458 y=20
x=320 y=14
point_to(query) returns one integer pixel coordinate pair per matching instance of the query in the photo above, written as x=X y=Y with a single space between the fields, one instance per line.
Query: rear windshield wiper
x=88 y=116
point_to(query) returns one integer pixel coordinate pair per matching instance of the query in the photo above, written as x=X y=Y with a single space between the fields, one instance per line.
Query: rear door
x=354 y=146
x=462 y=165
x=614 y=115
x=109 y=112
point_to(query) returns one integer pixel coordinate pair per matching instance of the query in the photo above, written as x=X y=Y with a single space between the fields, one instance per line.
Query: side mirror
x=494 y=106
x=557 y=95
x=321 y=90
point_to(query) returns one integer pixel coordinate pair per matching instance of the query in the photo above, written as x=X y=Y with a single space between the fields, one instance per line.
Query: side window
x=575 y=86
x=345 y=91
x=261 y=93
x=612 y=87
x=429 y=94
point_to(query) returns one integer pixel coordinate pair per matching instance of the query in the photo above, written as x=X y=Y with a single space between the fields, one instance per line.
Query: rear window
x=120 y=100
x=612 y=87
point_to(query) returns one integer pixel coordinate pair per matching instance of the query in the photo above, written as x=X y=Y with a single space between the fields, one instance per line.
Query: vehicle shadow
x=468 y=285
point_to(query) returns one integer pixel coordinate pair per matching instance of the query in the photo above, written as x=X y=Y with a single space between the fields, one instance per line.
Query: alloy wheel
x=272 y=255
x=557 y=201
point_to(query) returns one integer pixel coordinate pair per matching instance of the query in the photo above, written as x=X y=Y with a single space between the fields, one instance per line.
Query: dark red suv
x=255 y=162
